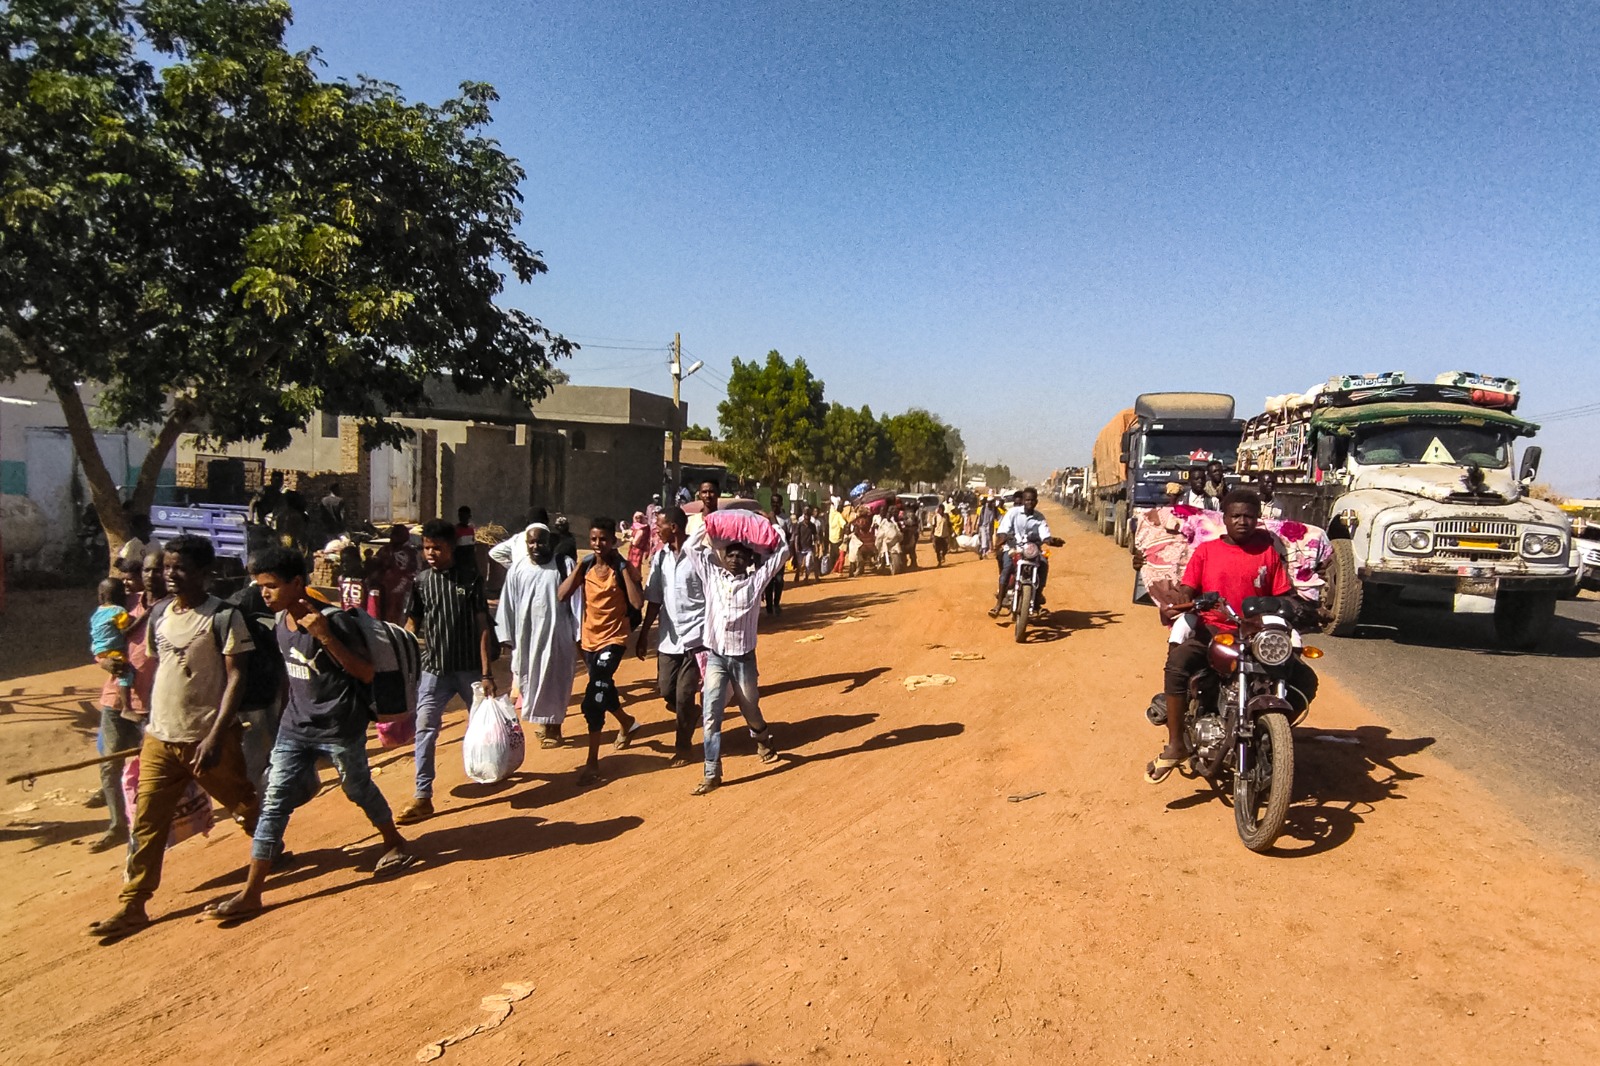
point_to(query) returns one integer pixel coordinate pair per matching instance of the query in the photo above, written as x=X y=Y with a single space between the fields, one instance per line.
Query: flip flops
x=625 y=736
x=1160 y=768
x=225 y=912
x=393 y=862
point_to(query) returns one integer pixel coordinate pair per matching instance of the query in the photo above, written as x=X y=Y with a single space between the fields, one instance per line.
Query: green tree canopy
x=921 y=452
x=697 y=432
x=192 y=219
x=853 y=445
x=771 y=419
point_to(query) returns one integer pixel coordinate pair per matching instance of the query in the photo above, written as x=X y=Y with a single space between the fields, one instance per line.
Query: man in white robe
x=542 y=632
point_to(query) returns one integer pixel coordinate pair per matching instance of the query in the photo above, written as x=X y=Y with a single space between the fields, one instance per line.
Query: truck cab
x=1418 y=488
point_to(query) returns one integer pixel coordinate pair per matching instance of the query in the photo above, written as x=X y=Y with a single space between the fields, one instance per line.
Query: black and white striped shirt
x=445 y=605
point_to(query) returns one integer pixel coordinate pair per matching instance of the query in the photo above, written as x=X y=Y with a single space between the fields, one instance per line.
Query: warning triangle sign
x=1438 y=453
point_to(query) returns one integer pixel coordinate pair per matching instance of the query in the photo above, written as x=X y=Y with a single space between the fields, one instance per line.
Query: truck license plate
x=1477 y=586
x=1479 y=545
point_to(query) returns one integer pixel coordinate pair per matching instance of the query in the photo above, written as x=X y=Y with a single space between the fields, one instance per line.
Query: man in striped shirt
x=733 y=606
x=449 y=612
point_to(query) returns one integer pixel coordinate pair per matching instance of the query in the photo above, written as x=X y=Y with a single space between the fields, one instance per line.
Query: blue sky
x=1021 y=215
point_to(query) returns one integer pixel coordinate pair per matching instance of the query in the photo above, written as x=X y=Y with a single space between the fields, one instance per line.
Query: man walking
x=675 y=594
x=325 y=714
x=200 y=646
x=803 y=543
x=542 y=634
x=610 y=589
x=733 y=604
x=450 y=614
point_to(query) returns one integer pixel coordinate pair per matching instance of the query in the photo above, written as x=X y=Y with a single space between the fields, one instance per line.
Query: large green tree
x=921 y=450
x=771 y=419
x=193 y=220
x=853 y=445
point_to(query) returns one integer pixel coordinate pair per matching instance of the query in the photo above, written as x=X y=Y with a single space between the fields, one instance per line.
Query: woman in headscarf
x=542 y=632
x=638 y=541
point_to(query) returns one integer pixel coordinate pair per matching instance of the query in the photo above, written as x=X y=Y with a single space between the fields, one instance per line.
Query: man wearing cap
x=542 y=633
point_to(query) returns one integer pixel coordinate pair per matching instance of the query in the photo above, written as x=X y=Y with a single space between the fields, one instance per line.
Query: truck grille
x=1475 y=527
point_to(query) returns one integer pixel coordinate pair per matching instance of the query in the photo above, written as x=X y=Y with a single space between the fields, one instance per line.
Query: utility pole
x=669 y=498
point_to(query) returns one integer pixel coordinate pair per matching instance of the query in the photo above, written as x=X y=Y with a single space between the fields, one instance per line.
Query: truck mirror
x=1530 y=464
x=1327 y=451
x=1123 y=458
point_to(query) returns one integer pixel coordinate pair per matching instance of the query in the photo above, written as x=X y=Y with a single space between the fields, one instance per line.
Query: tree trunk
x=102 y=487
x=144 y=491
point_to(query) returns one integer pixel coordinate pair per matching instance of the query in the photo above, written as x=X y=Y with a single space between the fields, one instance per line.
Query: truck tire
x=1521 y=619
x=1344 y=591
x=1103 y=519
x=1119 y=522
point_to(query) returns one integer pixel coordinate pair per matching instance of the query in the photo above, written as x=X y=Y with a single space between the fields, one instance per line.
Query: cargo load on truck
x=1163 y=437
x=1414 y=481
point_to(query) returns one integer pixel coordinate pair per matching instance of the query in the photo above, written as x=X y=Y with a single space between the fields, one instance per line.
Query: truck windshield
x=1179 y=449
x=1434 y=445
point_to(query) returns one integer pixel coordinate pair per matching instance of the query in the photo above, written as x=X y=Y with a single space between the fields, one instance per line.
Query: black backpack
x=263 y=667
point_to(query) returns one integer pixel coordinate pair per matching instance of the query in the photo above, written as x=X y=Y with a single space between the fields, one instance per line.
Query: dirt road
x=874 y=897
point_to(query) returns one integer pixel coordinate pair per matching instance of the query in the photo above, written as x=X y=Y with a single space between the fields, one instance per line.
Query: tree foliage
x=771 y=419
x=697 y=432
x=853 y=445
x=995 y=475
x=921 y=450
x=191 y=218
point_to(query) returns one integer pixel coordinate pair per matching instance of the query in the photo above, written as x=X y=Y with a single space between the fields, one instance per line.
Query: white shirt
x=1019 y=526
x=733 y=601
x=676 y=588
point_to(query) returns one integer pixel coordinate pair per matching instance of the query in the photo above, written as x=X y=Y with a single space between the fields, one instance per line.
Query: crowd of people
x=244 y=696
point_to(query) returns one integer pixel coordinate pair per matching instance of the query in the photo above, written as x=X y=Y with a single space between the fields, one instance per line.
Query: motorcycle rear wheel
x=1258 y=812
x=1024 y=607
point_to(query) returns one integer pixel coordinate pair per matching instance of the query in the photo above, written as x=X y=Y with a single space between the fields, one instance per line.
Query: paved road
x=1526 y=724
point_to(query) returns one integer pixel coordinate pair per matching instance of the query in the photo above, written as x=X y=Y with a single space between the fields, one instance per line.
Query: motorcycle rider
x=1021 y=524
x=1243 y=562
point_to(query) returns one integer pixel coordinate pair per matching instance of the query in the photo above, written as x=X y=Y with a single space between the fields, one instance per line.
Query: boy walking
x=325 y=714
x=733 y=605
x=676 y=595
x=611 y=589
x=449 y=613
x=200 y=646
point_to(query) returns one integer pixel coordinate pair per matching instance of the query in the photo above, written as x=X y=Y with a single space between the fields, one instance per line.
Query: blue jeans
x=433 y=693
x=721 y=671
x=292 y=782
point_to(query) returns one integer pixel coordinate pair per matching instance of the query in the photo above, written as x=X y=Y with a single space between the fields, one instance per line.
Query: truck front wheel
x=1343 y=590
x=1521 y=619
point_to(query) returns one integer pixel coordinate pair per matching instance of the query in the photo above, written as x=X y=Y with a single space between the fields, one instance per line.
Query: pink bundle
x=749 y=527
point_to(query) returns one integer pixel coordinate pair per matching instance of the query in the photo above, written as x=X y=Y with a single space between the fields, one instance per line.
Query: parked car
x=1586 y=552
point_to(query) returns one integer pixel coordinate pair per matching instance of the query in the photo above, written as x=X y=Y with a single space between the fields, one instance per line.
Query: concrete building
x=582 y=451
x=43 y=492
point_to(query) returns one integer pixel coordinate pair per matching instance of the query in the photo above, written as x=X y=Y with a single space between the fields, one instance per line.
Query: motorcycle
x=1239 y=713
x=1023 y=599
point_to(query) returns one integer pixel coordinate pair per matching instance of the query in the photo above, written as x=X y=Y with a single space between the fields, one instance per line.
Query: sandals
x=625 y=736
x=709 y=785
x=226 y=911
x=1160 y=768
x=766 y=750
x=119 y=925
x=393 y=862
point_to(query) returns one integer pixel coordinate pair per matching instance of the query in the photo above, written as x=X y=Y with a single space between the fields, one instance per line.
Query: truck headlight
x=1542 y=544
x=1410 y=540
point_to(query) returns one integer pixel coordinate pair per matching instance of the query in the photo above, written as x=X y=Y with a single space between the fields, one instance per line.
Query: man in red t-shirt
x=1243 y=563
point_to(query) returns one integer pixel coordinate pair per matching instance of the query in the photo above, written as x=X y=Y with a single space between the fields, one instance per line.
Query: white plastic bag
x=193 y=814
x=494 y=745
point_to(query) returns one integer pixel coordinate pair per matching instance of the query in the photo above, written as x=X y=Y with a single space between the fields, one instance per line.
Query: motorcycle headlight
x=1272 y=647
x=1030 y=550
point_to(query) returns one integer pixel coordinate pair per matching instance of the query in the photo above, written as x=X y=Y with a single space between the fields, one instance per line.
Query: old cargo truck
x=1161 y=438
x=1415 y=484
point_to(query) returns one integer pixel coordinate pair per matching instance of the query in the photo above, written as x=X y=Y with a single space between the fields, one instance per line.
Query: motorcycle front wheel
x=1261 y=796
x=1021 y=610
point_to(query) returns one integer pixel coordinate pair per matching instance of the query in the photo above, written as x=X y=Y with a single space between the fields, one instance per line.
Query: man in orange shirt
x=613 y=596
